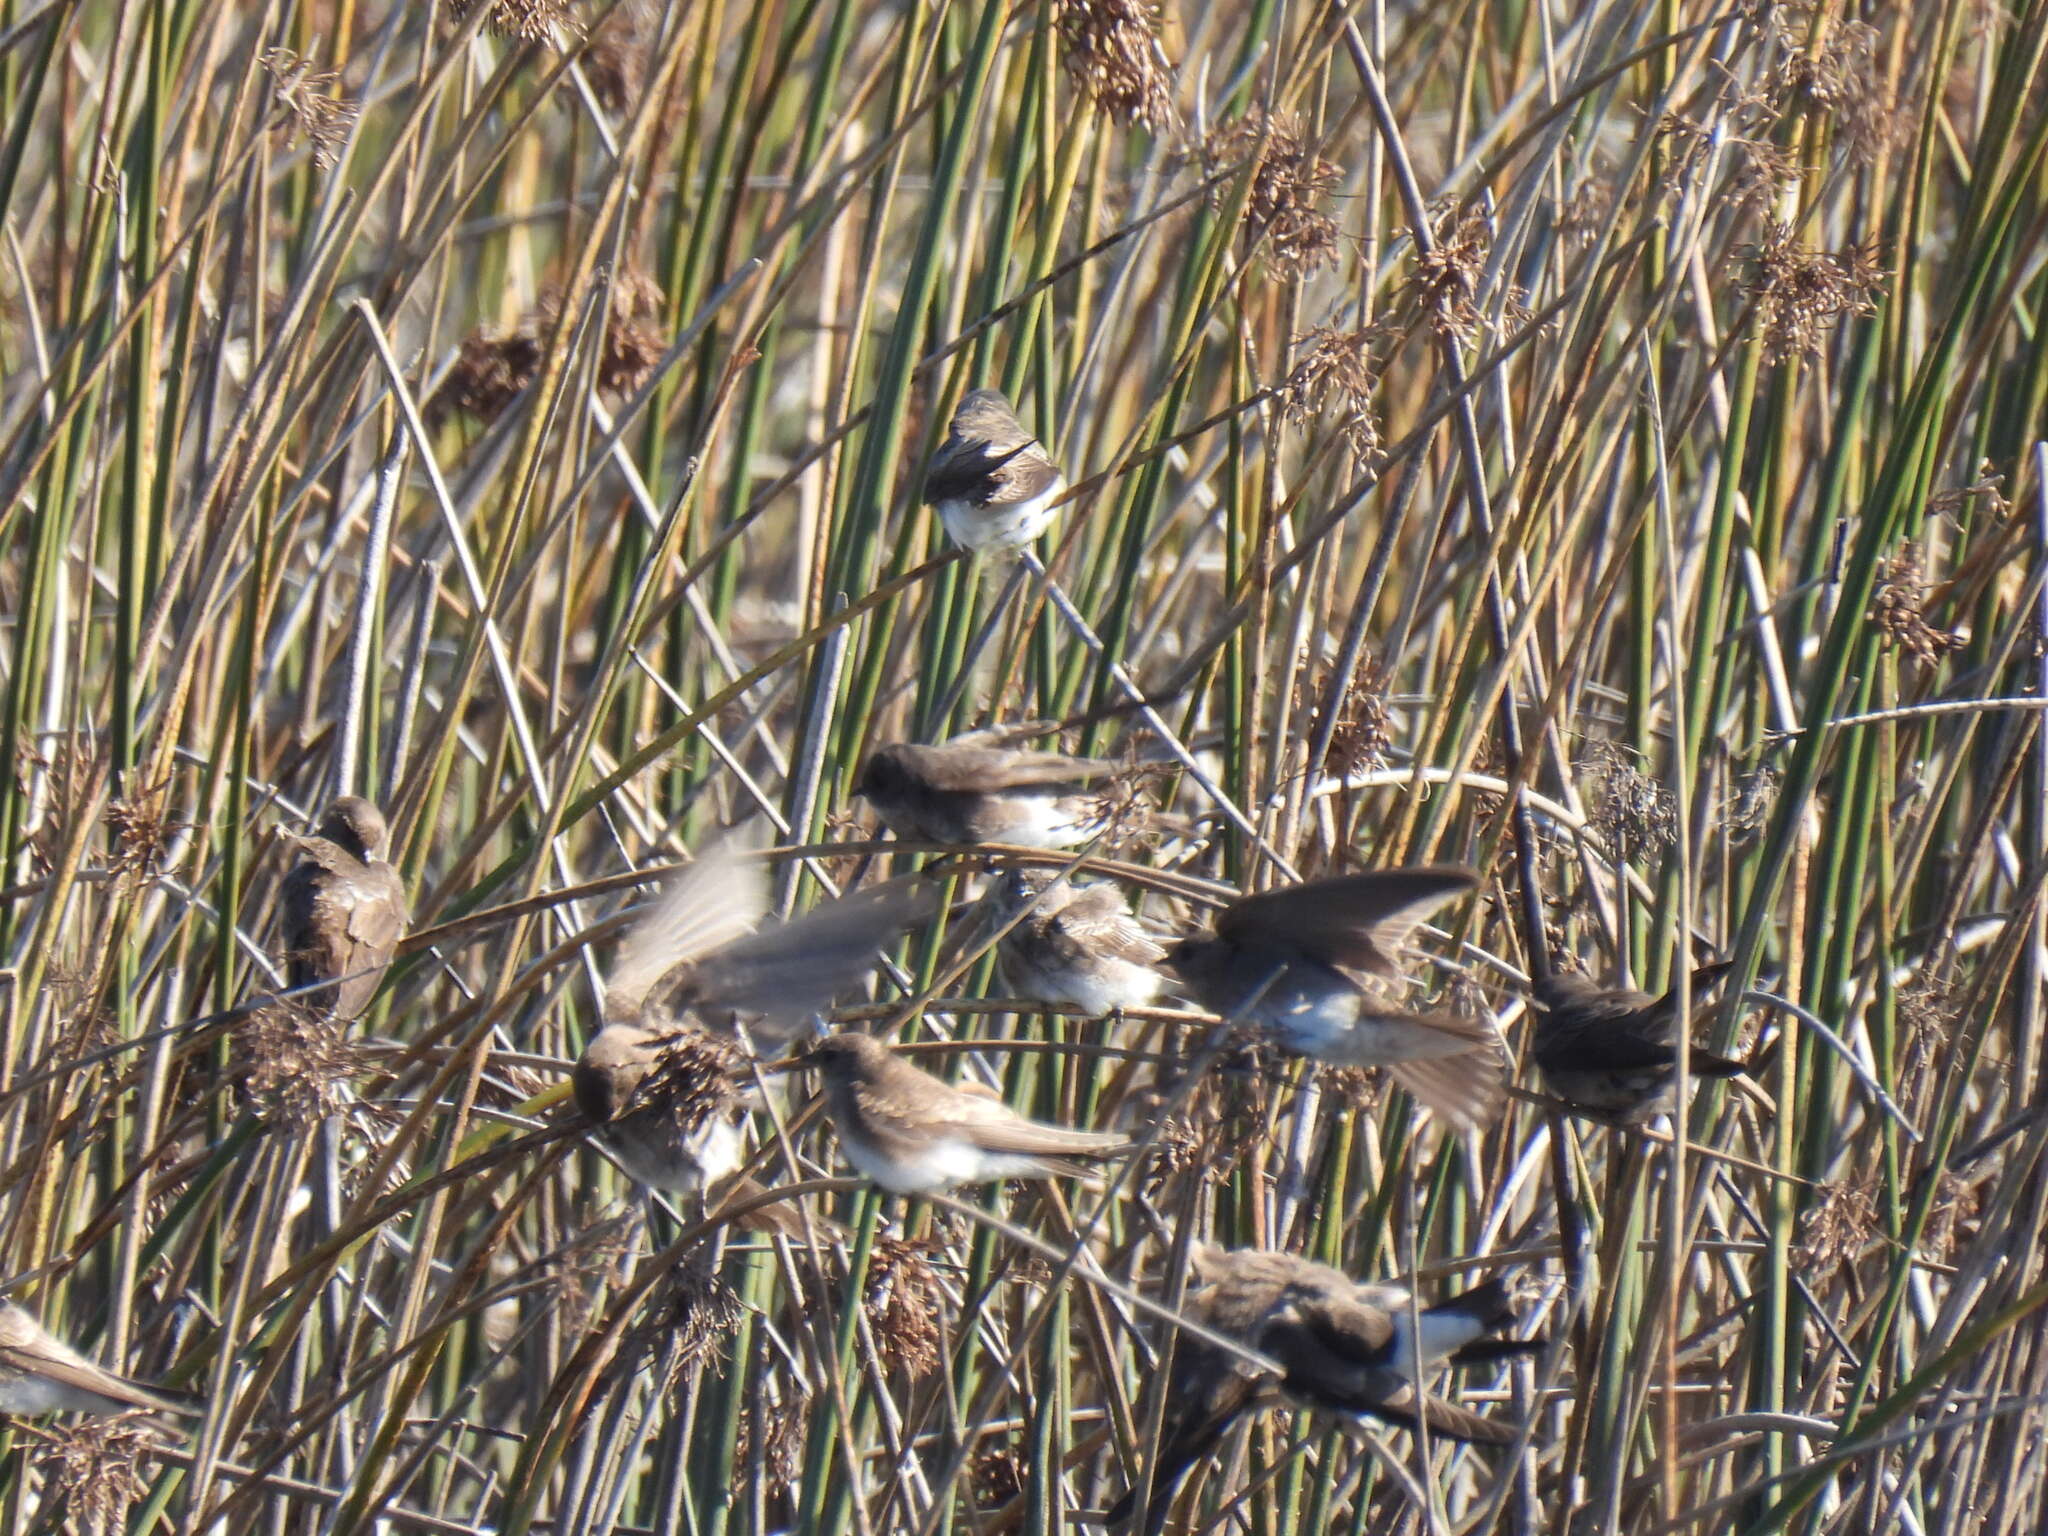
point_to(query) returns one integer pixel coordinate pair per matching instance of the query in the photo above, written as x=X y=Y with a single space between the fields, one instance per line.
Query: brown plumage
x=40 y=1373
x=1314 y=949
x=665 y=1081
x=971 y=791
x=990 y=481
x=1075 y=945
x=1342 y=1346
x=342 y=910
x=911 y=1133
x=1611 y=1053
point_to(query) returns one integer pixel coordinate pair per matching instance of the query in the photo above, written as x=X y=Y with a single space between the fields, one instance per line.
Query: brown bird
x=911 y=1133
x=1611 y=1053
x=1312 y=949
x=40 y=1373
x=1342 y=1345
x=991 y=482
x=1075 y=946
x=342 y=910
x=968 y=791
x=664 y=1081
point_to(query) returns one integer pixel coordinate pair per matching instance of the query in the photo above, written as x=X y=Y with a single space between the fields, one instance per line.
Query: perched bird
x=40 y=1373
x=1075 y=946
x=1342 y=1345
x=911 y=1133
x=343 y=909
x=991 y=482
x=1612 y=1053
x=966 y=791
x=1296 y=962
x=664 y=1081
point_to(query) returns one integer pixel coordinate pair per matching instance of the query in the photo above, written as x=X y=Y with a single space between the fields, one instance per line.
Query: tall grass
x=1600 y=442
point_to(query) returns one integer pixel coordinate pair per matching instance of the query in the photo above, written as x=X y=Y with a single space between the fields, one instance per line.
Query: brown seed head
x=1899 y=606
x=530 y=21
x=142 y=829
x=1800 y=294
x=307 y=96
x=1111 y=51
x=94 y=1468
x=1364 y=727
x=1290 y=184
x=1334 y=373
x=1835 y=1228
x=1445 y=283
x=1627 y=805
x=299 y=1065
x=490 y=373
x=902 y=1299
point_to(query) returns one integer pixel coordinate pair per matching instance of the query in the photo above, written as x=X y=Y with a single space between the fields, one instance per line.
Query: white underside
x=999 y=527
x=1443 y=1334
x=28 y=1395
x=1344 y=1030
x=1052 y=821
x=1115 y=984
x=943 y=1164
x=711 y=1155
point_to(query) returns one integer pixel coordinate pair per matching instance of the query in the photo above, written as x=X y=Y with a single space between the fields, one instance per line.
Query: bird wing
x=970 y=768
x=1467 y=1090
x=1363 y=921
x=1319 y=1333
x=1097 y=920
x=1017 y=1136
x=377 y=918
x=786 y=972
x=720 y=898
x=988 y=473
x=26 y=1346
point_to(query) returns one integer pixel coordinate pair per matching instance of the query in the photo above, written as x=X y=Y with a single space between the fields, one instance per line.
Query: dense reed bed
x=1600 y=443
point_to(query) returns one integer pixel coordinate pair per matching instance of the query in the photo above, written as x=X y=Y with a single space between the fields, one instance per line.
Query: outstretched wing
x=786 y=972
x=1363 y=921
x=719 y=899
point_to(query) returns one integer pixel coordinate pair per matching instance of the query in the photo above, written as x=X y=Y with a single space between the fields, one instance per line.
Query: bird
x=1342 y=1345
x=342 y=910
x=991 y=482
x=40 y=1373
x=969 y=791
x=665 y=1083
x=1611 y=1052
x=913 y=1134
x=1297 y=962
x=1074 y=946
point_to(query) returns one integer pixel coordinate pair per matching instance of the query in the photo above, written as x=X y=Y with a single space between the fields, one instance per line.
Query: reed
x=1601 y=443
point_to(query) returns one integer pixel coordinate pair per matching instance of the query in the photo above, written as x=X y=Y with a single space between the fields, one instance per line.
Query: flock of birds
x=707 y=999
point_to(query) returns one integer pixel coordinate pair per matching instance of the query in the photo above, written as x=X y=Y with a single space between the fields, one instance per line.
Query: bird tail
x=1487 y=1351
x=1193 y=1438
x=1464 y=1090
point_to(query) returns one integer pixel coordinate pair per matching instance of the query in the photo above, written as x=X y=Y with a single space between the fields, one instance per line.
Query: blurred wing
x=1465 y=1090
x=717 y=900
x=789 y=971
x=1363 y=921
